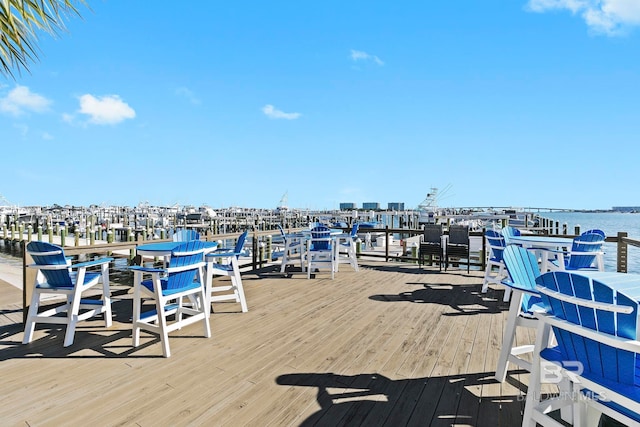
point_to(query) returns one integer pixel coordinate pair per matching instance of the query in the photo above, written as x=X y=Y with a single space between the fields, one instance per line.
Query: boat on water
x=428 y=209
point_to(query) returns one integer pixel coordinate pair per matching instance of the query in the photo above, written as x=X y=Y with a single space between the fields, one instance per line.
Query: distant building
x=347 y=206
x=395 y=206
x=371 y=206
x=633 y=209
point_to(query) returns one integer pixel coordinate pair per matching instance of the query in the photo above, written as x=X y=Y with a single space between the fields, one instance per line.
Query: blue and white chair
x=585 y=254
x=321 y=251
x=495 y=244
x=185 y=235
x=177 y=290
x=508 y=232
x=522 y=267
x=224 y=262
x=596 y=328
x=346 y=248
x=293 y=251
x=58 y=276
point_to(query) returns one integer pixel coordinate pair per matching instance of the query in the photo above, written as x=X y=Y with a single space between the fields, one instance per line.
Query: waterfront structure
x=628 y=209
x=371 y=206
x=395 y=206
x=347 y=206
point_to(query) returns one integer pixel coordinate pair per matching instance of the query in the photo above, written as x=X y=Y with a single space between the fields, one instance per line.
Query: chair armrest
x=99 y=261
x=146 y=269
x=517 y=287
x=222 y=254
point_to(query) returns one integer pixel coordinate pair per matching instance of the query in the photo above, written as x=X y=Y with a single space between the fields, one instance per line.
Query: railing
x=262 y=249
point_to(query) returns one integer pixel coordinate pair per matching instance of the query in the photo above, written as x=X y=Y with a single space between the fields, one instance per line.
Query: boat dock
x=391 y=345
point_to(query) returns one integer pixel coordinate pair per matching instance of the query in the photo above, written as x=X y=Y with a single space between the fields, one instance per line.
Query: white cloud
x=20 y=100
x=47 y=136
x=107 y=110
x=358 y=55
x=610 y=17
x=273 y=113
x=188 y=94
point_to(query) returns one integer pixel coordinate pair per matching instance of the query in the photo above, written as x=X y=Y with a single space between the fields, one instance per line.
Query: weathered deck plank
x=390 y=345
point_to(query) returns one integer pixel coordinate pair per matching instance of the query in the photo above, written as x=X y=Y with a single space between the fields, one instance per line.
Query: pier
x=390 y=345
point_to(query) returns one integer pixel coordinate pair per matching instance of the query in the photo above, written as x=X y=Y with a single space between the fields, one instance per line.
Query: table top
x=165 y=248
x=541 y=241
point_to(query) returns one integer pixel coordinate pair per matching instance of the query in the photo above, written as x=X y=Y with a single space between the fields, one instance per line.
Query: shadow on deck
x=390 y=345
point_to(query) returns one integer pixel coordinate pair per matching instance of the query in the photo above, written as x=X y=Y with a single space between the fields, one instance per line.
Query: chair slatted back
x=44 y=253
x=509 y=232
x=433 y=234
x=607 y=316
x=459 y=235
x=582 y=245
x=523 y=270
x=496 y=244
x=185 y=235
x=354 y=230
x=186 y=260
x=595 y=231
x=320 y=238
x=240 y=243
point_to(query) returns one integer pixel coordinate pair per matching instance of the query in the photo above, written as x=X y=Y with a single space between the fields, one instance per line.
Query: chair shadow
x=91 y=339
x=373 y=399
x=464 y=299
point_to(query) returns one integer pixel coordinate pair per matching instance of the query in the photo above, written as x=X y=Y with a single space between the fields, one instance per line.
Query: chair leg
x=162 y=325
x=205 y=312
x=236 y=280
x=509 y=337
x=136 y=310
x=72 y=317
x=30 y=324
x=106 y=296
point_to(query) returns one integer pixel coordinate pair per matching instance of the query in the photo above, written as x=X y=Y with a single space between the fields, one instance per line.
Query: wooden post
x=63 y=234
x=28 y=279
x=40 y=233
x=29 y=233
x=92 y=236
x=76 y=237
x=576 y=230
x=50 y=230
x=269 y=249
x=622 y=252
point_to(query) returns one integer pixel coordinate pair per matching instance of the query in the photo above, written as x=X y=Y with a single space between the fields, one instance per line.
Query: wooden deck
x=391 y=345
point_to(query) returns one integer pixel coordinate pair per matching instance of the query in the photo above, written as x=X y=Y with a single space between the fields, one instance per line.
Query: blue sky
x=506 y=103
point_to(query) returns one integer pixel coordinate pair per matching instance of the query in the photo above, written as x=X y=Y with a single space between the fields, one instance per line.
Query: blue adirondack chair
x=184 y=235
x=596 y=329
x=595 y=231
x=585 y=254
x=347 y=243
x=522 y=267
x=495 y=244
x=320 y=251
x=509 y=232
x=293 y=251
x=224 y=262
x=57 y=275
x=177 y=290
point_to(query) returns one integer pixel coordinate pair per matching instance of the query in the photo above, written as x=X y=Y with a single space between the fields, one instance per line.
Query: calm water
x=611 y=223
